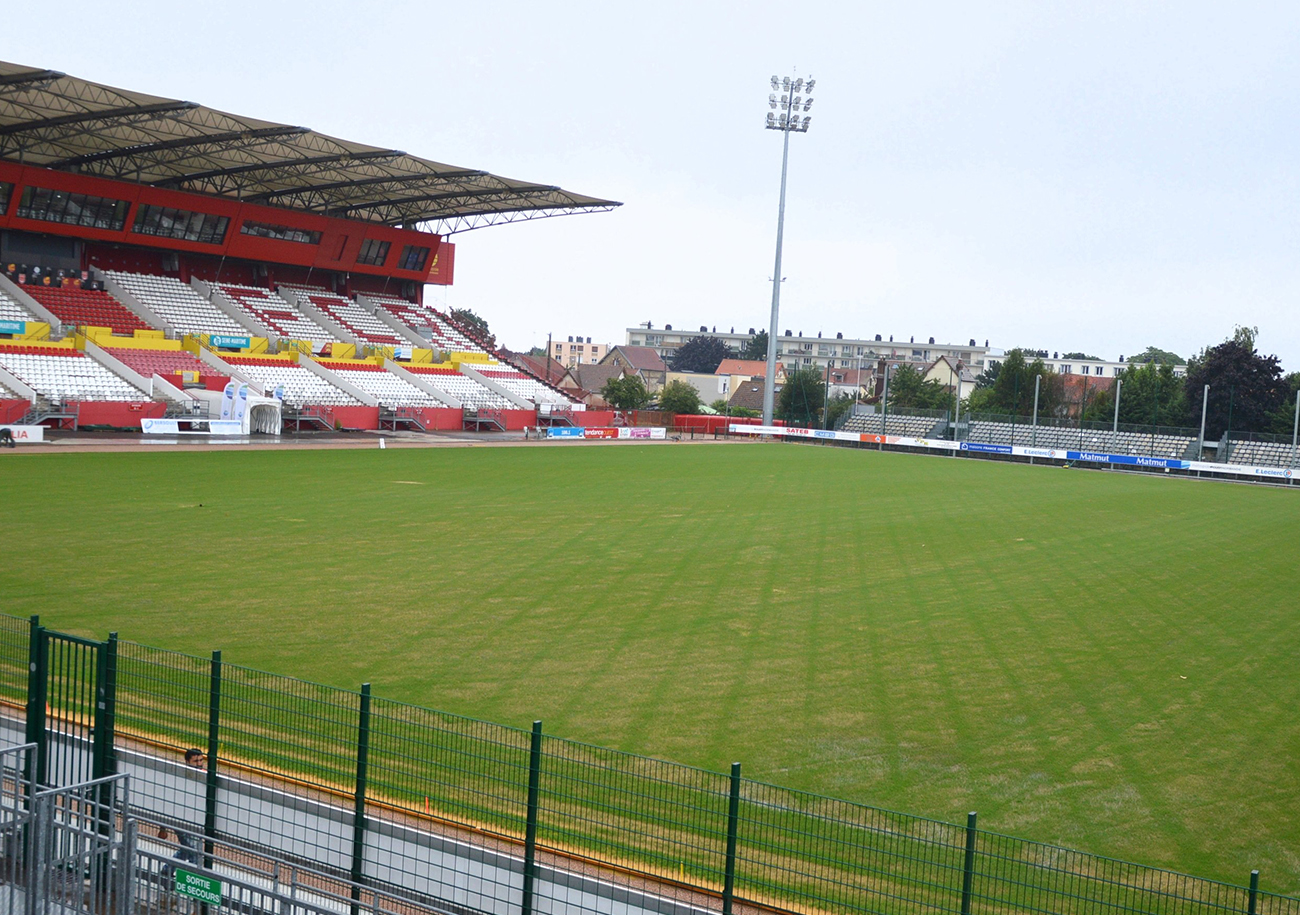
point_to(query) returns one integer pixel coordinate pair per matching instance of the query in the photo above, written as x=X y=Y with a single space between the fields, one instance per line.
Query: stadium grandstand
x=153 y=252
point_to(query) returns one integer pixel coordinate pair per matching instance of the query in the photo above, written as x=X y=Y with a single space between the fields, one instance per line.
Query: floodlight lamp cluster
x=796 y=97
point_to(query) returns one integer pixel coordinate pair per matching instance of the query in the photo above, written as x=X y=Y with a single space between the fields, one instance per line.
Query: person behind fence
x=187 y=851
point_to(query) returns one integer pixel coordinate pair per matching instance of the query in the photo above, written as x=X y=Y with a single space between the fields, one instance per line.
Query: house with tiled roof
x=641 y=359
x=586 y=381
x=748 y=395
x=951 y=373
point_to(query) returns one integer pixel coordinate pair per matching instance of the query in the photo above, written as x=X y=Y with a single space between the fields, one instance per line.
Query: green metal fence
x=728 y=841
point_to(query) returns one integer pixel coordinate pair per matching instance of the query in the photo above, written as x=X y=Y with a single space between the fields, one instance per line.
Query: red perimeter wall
x=356 y=417
x=518 y=420
x=13 y=410
x=586 y=418
x=702 y=423
x=117 y=414
x=437 y=419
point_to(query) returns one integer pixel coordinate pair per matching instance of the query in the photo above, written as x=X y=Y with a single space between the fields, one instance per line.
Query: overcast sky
x=1090 y=176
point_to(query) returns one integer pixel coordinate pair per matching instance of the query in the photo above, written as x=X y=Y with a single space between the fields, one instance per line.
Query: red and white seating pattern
x=86 y=308
x=518 y=383
x=274 y=313
x=11 y=310
x=385 y=387
x=349 y=314
x=450 y=338
x=421 y=318
x=177 y=303
x=301 y=386
x=412 y=315
x=66 y=374
x=463 y=388
x=167 y=363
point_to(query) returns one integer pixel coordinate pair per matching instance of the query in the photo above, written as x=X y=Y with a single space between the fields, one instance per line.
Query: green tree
x=477 y=326
x=1246 y=389
x=840 y=405
x=700 y=354
x=908 y=389
x=679 y=397
x=626 y=392
x=802 y=396
x=1012 y=392
x=1282 y=420
x=1080 y=356
x=1150 y=394
x=536 y=351
x=989 y=376
x=1155 y=354
x=756 y=348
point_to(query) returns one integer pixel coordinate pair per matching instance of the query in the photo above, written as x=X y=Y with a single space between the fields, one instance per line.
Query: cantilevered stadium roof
x=58 y=121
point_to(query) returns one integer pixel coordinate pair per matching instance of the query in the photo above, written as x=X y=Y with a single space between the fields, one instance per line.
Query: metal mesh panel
x=438 y=765
x=15 y=637
x=277 y=724
x=797 y=849
x=641 y=813
x=162 y=699
x=1013 y=874
x=288 y=765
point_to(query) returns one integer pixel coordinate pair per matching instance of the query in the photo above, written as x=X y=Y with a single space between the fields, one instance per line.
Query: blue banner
x=985 y=449
x=1097 y=457
x=564 y=432
x=13 y=327
x=228 y=342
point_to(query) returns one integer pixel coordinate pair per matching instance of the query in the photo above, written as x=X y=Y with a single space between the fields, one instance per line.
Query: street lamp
x=789 y=102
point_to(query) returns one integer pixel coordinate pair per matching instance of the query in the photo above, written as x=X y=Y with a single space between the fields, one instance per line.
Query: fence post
x=214 y=745
x=102 y=760
x=359 y=801
x=968 y=867
x=37 y=683
x=733 y=822
x=530 y=826
x=1253 y=901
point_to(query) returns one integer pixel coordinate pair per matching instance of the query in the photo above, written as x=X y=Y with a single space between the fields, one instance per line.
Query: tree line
x=1248 y=390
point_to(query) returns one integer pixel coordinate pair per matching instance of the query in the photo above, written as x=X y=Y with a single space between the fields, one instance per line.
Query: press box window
x=5 y=190
x=280 y=233
x=72 y=209
x=413 y=258
x=373 y=252
x=183 y=225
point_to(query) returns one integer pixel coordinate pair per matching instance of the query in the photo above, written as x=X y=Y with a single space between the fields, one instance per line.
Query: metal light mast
x=795 y=98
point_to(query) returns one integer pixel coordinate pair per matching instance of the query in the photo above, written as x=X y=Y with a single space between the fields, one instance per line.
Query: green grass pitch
x=1100 y=660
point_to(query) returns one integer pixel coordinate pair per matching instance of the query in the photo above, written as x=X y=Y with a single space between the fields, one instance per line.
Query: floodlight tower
x=787 y=115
